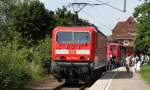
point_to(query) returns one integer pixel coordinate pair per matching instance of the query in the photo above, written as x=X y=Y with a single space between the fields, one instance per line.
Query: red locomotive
x=78 y=53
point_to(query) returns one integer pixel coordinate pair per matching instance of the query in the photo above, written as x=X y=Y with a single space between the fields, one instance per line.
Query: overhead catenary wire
x=96 y=20
x=98 y=13
x=87 y=4
x=80 y=7
x=124 y=9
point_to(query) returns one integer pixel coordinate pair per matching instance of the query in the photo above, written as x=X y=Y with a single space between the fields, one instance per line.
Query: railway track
x=81 y=86
x=70 y=87
x=46 y=85
x=54 y=85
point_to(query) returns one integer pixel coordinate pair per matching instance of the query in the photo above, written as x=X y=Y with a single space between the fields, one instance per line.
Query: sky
x=103 y=16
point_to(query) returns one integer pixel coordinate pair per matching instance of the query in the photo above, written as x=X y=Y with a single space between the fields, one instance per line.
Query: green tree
x=142 y=15
x=65 y=17
x=32 y=21
x=6 y=8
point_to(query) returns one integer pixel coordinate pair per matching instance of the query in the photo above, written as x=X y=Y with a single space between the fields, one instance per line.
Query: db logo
x=72 y=52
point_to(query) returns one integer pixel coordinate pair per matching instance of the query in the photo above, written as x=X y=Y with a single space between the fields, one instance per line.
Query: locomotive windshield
x=81 y=37
x=64 y=37
x=73 y=37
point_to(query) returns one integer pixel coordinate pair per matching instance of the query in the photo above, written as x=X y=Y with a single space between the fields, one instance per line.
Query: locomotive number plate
x=72 y=52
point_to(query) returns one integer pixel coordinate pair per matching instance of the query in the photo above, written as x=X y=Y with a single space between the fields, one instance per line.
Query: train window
x=64 y=37
x=81 y=37
x=112 y=48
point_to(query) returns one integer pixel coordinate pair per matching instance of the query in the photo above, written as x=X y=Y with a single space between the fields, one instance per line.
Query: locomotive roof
x=92 y=28
x=75 y=27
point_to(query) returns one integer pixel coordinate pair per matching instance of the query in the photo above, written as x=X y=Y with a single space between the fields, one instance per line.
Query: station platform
x=119 y=79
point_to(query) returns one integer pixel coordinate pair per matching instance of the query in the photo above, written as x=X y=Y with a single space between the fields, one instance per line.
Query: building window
x=126 y=42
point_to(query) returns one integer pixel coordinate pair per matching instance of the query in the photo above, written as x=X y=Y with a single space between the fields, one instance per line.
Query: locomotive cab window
x=81 y=37
x=64 y=37
x=73 y=37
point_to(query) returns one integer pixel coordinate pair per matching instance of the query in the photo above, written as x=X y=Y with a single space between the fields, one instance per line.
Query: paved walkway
x=120 y=80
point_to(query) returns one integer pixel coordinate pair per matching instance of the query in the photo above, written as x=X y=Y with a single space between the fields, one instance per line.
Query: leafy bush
x=44 y=48
x=20 y=65
x=14 y=69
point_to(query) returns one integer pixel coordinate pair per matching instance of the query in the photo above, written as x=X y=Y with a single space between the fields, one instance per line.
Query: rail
x=58 y=87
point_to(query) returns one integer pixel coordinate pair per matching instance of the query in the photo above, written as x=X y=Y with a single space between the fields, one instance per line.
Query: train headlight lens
x=87 y=58
x=57 y=57
x=60 y=57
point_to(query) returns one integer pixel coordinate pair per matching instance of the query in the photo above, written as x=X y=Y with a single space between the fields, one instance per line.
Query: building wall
x=123 y=33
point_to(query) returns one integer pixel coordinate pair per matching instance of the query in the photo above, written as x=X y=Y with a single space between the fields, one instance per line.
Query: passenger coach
x=117 y=52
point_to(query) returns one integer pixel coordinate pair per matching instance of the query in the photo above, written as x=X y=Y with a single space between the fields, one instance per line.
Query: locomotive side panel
x=100 y=50
x=53 y=44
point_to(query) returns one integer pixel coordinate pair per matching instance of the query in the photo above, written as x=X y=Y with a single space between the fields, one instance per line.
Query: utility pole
x=124 y=10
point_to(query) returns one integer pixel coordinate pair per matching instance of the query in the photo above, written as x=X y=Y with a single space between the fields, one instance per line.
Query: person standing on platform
x=127 y=62
x=133 y=64
x=139 y=62
x=135 y=60
x=142 y=59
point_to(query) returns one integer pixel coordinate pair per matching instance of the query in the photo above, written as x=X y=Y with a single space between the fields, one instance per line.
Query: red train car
x=78 y=53
x=116 y=51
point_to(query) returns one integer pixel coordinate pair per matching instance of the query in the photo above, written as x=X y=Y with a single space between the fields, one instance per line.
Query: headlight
x=57 y=57
x=85 y=58
x=60 y=57
x=88 y=58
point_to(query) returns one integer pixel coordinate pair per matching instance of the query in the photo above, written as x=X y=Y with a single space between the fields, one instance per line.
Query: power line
x=80 y=7
x=124 y=9
x=100 y=23
x=96 y=19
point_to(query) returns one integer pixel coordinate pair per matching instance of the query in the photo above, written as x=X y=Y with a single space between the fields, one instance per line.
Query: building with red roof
x=124 y=33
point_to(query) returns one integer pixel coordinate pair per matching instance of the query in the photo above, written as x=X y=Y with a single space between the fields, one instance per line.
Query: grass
x=145 y=73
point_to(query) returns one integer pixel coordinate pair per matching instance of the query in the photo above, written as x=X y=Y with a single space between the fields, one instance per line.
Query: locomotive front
x=72 y=52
